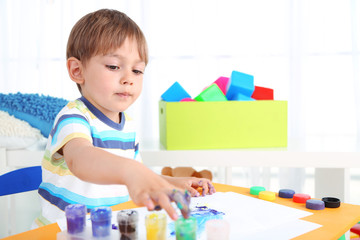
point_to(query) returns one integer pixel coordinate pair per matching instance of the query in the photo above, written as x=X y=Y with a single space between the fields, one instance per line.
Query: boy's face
x=112 y=82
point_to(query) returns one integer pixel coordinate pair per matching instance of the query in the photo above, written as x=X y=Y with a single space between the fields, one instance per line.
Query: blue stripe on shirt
x=65 y=117
x=113 y=144
x=113 y=135
x=66 y=120
x=62 y=197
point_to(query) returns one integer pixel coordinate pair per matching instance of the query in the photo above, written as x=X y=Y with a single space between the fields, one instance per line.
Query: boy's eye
x=137 y=72
x=112 y=67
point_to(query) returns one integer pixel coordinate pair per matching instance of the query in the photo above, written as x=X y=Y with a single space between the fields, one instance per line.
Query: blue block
x=175 y=93
x=240 y=83
x=242 y=97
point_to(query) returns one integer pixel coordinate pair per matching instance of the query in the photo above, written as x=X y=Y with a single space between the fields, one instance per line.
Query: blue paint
x=101 y=221
x=202 y=215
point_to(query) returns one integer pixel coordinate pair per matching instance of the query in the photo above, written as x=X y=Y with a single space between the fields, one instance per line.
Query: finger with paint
x=211 y=188
x=182 y=201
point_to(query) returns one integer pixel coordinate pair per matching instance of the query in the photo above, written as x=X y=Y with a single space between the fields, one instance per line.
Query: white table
x=331 y=157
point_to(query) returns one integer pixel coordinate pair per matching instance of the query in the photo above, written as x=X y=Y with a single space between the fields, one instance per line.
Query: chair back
x=20 y=180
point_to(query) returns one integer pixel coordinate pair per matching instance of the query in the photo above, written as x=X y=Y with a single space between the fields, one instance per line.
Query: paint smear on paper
x=202 y=214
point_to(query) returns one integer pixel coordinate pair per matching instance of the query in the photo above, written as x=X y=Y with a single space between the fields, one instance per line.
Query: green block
x=220 y=125
x=211 y=94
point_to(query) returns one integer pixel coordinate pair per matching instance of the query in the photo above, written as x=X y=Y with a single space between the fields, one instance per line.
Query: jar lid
x=286 y=193
x=331 y=202
x=301 y=197
x=315 y=204
x=256 y=189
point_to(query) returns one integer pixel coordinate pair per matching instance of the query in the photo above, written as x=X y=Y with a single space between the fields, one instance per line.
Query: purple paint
x=75 y=218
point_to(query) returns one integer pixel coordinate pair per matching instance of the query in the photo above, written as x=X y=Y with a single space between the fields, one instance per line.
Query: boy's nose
x=126 y=79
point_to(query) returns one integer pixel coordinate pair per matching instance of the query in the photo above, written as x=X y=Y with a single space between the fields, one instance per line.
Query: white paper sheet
x=250 y=218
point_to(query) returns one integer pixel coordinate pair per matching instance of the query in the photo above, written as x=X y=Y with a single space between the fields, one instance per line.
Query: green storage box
x=219 y=125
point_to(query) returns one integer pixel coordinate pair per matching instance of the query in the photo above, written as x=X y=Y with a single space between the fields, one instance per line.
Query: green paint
x=185 y=229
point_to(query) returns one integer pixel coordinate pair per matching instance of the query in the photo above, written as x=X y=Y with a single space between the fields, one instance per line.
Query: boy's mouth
x=123 y=94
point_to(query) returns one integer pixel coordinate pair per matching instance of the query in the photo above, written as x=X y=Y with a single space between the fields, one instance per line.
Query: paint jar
x=75 y=218
x=217 y=229
x=155 y=226
x=101 y=221
x=128 y=224
x=185 y=229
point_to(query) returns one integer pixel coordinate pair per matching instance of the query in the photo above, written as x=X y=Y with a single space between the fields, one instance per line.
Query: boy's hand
x=192 y=184
x=150 y=190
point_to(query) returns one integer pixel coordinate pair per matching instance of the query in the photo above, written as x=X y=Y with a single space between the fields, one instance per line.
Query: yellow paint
x=155 y=226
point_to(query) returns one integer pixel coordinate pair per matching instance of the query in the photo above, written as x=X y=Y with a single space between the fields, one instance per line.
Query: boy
x=92 y=152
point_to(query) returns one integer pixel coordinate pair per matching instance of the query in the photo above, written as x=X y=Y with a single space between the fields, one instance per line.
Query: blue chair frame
x=20 y=180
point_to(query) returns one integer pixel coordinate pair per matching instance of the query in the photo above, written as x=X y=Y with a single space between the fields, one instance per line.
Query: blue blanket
x=38 y=110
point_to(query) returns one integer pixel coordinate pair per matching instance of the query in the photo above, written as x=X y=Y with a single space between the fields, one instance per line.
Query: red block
x=356 y=229
x=262 y=93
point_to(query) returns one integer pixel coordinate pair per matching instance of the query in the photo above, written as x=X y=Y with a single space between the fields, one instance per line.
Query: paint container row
x=156 y=224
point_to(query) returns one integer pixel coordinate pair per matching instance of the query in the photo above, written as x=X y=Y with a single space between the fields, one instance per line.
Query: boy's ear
x=75 y=68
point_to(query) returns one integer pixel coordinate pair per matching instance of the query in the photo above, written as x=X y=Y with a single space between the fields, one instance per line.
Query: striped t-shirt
x=59 y=187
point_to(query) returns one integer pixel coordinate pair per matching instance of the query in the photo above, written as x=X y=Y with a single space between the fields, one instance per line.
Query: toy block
x=222 y=83
x=240 y=83
x=175 y=93
x=262 y=93
x=187 y=100
x=242 y=97
x=211 y=94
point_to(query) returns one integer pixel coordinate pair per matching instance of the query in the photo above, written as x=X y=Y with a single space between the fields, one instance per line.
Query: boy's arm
x=95 y=165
